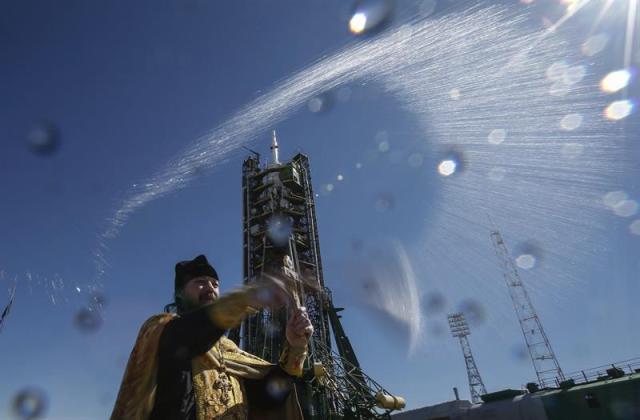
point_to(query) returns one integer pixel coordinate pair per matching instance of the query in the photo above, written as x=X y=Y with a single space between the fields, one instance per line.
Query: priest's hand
x=299 y=328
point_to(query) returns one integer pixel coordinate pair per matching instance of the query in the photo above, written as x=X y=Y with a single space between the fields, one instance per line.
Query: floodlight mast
x=460 y=329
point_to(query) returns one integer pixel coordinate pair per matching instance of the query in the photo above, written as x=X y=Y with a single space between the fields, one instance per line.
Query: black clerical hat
x=187 y=270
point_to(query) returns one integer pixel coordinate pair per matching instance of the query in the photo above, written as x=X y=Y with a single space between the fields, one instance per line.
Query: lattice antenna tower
x=544 y=360
x=460 y=329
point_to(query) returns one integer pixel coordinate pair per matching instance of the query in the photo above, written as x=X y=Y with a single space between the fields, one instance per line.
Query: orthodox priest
x=183 y=367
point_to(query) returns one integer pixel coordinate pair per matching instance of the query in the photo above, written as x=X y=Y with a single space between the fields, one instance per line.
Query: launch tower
x=280 y=238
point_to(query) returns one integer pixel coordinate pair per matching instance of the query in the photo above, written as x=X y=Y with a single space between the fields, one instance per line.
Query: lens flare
x=615 y=81
x=626 y=208
x=570 y=122
x=613 y=198
x=368 y=16
x=358 y=23
x=618 y=110
x=497 y=136
x=447 y=167
x=595 y=44
x=526 y=261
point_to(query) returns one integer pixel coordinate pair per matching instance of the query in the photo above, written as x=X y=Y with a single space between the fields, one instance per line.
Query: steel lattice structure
x=544 y=360
x=280 y=238
x=460 y=329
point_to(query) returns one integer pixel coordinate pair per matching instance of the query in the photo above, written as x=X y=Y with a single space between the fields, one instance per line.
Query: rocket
x=274 y=149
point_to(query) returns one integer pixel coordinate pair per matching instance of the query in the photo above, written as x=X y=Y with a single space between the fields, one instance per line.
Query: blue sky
x=131 y=87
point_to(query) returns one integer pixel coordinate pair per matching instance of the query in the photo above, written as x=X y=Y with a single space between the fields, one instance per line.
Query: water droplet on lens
x=595 y=44
x=451 y=163
x=271 y=329
x=574 y=75
x=473 y=311
x=315 y=104
x=626 y=208
x=370 y=286
x=634 y=227
x=527 y=255
x=321 y=103
x=279 y=229
x=382 y=139
x=427 y=7
x=497 y=174
x=87 y=320
x=384 y=202
x=437 y=330
x=370 y=16
x=29 y=404
x=447 y=167
x=344 y=94
x=278 y=388
x=526 y=261
x=559 y=89
x=415 y=160
x=570 y=122
x=497 y=136
x=340 y=177
x=433 y=303
x=572 y=150
x=557 y=70
x=43 y=139
x=357 y=23
x=612 y=198
x=520 y=353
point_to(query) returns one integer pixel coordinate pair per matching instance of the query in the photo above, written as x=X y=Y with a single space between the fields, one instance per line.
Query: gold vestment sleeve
x=292 y=359
x=230 y=309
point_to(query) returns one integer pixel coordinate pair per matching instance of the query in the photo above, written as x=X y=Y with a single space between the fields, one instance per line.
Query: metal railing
x=610 y=371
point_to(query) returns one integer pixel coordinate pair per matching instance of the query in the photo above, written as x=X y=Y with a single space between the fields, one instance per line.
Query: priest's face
x=200 y=291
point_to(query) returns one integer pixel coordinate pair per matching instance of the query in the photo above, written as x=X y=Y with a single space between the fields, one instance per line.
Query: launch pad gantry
x=280 y=238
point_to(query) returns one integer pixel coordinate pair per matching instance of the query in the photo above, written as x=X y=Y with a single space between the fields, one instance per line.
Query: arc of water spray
x=374 y=59
x=345 y=66
x=419 y=64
